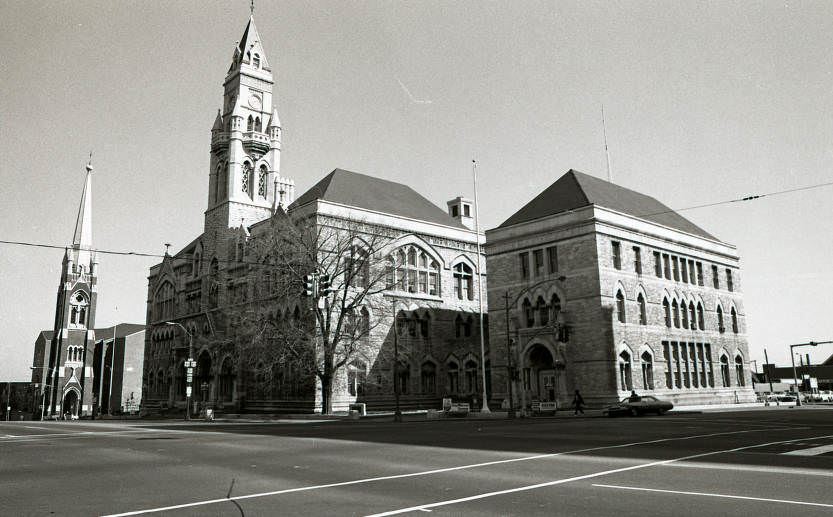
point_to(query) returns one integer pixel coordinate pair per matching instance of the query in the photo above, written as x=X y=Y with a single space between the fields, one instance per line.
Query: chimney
x=462 y=209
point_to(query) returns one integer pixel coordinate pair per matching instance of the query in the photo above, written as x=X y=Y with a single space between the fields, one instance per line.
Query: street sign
x=188 y=391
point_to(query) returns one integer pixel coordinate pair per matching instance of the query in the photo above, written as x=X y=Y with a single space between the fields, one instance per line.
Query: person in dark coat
x=578 y=402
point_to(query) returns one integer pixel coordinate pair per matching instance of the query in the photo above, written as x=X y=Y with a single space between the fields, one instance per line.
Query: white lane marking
x=15 y=438
x=753 y=468
x=727 y=496
x=429 y=472
x=576 y=478
x=813 y=451
x=36 y=427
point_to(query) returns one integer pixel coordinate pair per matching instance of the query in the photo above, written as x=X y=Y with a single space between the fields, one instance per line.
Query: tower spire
x=83 y=237
x=252 y=8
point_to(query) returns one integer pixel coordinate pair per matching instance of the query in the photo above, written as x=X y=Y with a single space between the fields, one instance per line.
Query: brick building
x=608 y=291
x=216 y=282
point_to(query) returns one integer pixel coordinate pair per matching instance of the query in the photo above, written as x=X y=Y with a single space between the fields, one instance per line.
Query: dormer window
x=467 y=210
x=455 y=211
x=256 y=61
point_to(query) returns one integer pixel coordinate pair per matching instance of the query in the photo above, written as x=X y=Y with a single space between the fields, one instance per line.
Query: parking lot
x=773 y=461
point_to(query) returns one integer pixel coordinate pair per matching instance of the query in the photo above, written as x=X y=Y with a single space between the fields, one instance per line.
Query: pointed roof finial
x=252 y=8
x=90 y=163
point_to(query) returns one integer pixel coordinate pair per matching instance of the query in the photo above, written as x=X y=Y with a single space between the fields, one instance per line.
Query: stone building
x=608 y=291
x=206 y=299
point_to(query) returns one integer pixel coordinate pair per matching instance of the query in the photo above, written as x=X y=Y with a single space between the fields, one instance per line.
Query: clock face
x=254 y=101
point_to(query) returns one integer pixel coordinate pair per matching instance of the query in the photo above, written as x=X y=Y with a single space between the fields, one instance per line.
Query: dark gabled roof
x=122 y=330
x=47 y=334
x=363 y=191
x=576 y=189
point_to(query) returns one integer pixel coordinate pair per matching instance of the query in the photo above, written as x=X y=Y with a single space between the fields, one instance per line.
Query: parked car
x=639 y=406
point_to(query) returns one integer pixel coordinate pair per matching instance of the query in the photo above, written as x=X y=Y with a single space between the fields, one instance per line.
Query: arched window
x=720 y=327
x=734 y=320
x=463 y=282
x=258 y=127
x=356 y=378
x=528 y=313
x=667 y=308
x=151 y=383
x=246 y=177
x=676 y=310
x=218 y=181
x=164 y=301
x=458 y=326
x=739 y=370
x=471 y=376
x=692 y=316
x=359 y=267
x=195 y=268
x=453 y=377
x=467 y=327
x=684 y=313
x=424 y=325
x=724 y=370
x=555 y=306
x=256 y=61
x=250 y=124
x=428 y=377
x=543 y=311
x=78 y=310
x=625 y=378
x=413 y=270
x=701 y=320
x=401 y=323
x=647 y=371
x=261 y=181
x=226 y=380
x=620 y=306
x=404 y=377
x=643 y=310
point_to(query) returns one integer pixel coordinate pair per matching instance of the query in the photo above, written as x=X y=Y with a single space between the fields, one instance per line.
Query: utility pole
x=397 y=415
x=766 y=372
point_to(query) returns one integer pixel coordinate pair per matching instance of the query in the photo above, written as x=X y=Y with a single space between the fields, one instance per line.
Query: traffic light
x=324 y=285
x=309 y=286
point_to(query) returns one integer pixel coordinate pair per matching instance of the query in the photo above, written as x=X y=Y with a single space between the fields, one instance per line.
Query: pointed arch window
x=555 y=305
x=413 y=270
x=359 y=267
x=667 y=308
x=720 y=327
x=529 y=314
x=458 y=326
x=463 y=282
x=164 y=301
x=246 y=177
x=701 y=320
x=471 y=376
x=79 y=304
x=734 y=314
x=620 y=306
x=453 y=371
x=739 y=370
x=676 y=309
x=250 y=124
x=684 y=312
x=356 y=378
x=625 y=377
x=261 y=181
x=692 y=316
x=724 y=371
x=647 y=370
x=258 y=126
x=543 y=311
x=428 y=377
x=643 y=310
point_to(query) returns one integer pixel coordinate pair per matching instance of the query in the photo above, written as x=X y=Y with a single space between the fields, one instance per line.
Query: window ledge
x=413 y=296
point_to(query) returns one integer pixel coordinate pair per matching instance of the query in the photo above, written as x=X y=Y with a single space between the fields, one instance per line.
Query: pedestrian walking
x=578 y=402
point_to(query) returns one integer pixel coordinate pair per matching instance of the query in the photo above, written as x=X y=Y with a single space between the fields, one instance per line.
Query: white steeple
x=82 y=240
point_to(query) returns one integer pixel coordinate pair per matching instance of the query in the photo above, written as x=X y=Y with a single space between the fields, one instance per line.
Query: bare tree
x=328 y=330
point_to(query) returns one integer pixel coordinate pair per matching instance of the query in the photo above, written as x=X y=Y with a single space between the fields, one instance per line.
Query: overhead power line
x=157 y=255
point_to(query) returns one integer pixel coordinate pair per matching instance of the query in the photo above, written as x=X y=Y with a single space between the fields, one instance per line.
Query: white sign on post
x=188 y=391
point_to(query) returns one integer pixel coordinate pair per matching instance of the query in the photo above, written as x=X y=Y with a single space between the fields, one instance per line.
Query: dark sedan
x=639 y=406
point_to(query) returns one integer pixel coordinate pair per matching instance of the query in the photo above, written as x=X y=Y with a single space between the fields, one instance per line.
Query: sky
x=704 y=102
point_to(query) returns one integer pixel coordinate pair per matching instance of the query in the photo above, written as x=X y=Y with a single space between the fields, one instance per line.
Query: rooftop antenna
x=607 y=153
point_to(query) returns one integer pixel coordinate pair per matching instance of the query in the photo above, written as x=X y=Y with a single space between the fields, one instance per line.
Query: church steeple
x=82 y=239
x=245 y=183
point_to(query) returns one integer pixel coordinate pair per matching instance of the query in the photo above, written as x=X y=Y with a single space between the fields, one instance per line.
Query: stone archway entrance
x=539 y=374
x=202 y=379
x=69 y=406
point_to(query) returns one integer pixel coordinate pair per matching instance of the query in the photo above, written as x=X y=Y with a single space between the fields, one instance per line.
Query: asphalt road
x=775 y=462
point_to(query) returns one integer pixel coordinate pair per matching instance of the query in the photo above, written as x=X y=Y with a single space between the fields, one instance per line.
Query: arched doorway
x=70 y=404
x=539 y=373
x=202 y=379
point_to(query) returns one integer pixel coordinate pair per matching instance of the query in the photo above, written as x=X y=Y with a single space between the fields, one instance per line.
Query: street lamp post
x=397 y=414
x=795 y=376
x=189 y=368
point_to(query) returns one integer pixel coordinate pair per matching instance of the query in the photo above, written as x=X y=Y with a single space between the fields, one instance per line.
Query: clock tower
x=245 y=185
